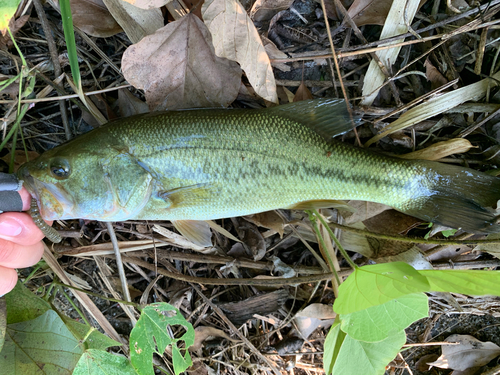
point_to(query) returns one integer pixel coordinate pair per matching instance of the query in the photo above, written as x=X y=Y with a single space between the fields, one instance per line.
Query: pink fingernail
x=10 y=228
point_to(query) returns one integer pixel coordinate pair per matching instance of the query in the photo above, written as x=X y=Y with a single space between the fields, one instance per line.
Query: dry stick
x=416 y=101
x=69 y=96
x=336 y=61
x=223 y=316
x=411 y=239
x=466 y=28
x=374 y=46
x=380 y=64
x=473 y=127
x=83 y=298
x=119 y=263
x=275 y=282
x=55 y=61
x=427 y=28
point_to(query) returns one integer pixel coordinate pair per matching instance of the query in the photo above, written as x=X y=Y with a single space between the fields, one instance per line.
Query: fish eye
x=60 y=169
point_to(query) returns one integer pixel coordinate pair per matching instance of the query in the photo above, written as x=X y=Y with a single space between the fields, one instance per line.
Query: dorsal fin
x=326 y=116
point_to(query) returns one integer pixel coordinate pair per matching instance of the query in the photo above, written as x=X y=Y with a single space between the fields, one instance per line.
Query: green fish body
x=211 y=164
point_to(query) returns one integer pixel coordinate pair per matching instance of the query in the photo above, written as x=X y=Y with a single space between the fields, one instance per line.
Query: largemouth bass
x=208 y=164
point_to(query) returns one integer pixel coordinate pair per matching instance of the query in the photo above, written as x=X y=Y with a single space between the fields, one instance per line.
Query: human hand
x=20 y=243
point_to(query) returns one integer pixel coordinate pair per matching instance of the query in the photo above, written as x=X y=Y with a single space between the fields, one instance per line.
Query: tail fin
x=457 y=197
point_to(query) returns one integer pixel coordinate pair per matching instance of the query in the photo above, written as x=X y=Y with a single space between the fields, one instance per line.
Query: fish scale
x=211 y=164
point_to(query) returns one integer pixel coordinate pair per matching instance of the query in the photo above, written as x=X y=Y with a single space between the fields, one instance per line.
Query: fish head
x=79 y=180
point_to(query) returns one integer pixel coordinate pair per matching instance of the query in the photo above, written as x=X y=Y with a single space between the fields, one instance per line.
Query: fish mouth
x=54 y=202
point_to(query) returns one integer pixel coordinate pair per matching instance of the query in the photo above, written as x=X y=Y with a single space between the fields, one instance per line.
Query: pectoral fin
x=198 y=232
x=191 y=195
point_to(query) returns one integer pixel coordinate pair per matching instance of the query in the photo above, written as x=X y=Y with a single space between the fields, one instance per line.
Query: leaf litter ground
x=265 y=315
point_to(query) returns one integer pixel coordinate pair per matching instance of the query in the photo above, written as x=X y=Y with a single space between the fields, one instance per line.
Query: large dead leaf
x=148 y=4
x=440 y=150
x=264 y=10
x=434 y=75
x=236 y=38
x=470 y=352
x=202 y=333
x=93 y=17
x=371 y=12
x=177 y=68
x=136 y=22
x=401 y=11
x=312 y=317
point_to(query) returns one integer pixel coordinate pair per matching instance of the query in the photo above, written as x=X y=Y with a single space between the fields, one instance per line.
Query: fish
x=194 y=166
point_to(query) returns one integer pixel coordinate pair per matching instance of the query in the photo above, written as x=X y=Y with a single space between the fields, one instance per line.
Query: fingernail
x=10 y=228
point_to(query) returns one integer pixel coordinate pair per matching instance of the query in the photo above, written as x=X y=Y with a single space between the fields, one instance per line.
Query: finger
x=19 y=227
x=26 y=198
x=8 y=279
x=13 y=255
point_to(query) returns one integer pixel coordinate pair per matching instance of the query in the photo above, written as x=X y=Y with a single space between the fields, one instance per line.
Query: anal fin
x=196 y=231
x=320 y=203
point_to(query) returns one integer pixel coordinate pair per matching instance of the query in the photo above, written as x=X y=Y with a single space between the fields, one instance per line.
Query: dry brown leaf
x=14 y=26
x=20 y=158
x=493 y=248
x=129 y=105
x=136 y=22
x=400 y=14
x=312 y=317
x=251 y=238
x=362 y=211
x=331 y=9
x=433 y=75
x=268 y=219
x=236 y=38
x=177 y=68
x=470 y=352
x=274 y=53
x=92 y=17
x=148 y=4
x=201 y=333
x=264 y=10
x=440 y=150
x=371 y=12
x=302 y=93
x=12 y=90
x=439 y=104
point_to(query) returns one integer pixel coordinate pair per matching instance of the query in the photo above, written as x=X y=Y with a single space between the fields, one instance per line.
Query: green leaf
x=151 y=335
x=23 y=305
x=69 y=37
x=476 y=283
x=7 y=10
x=332 y=345
x=376 y=323
x=359 y=357
x=99 y=362
x=42 y=343
x=377 y=284
x=90 y=338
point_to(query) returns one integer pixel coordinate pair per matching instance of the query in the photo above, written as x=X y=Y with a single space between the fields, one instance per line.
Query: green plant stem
x=323 y=244
x=69 y=37
x=61 y=289
x=335 y=239
x=32 y=273
x=412 y=239
x=98 y=295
